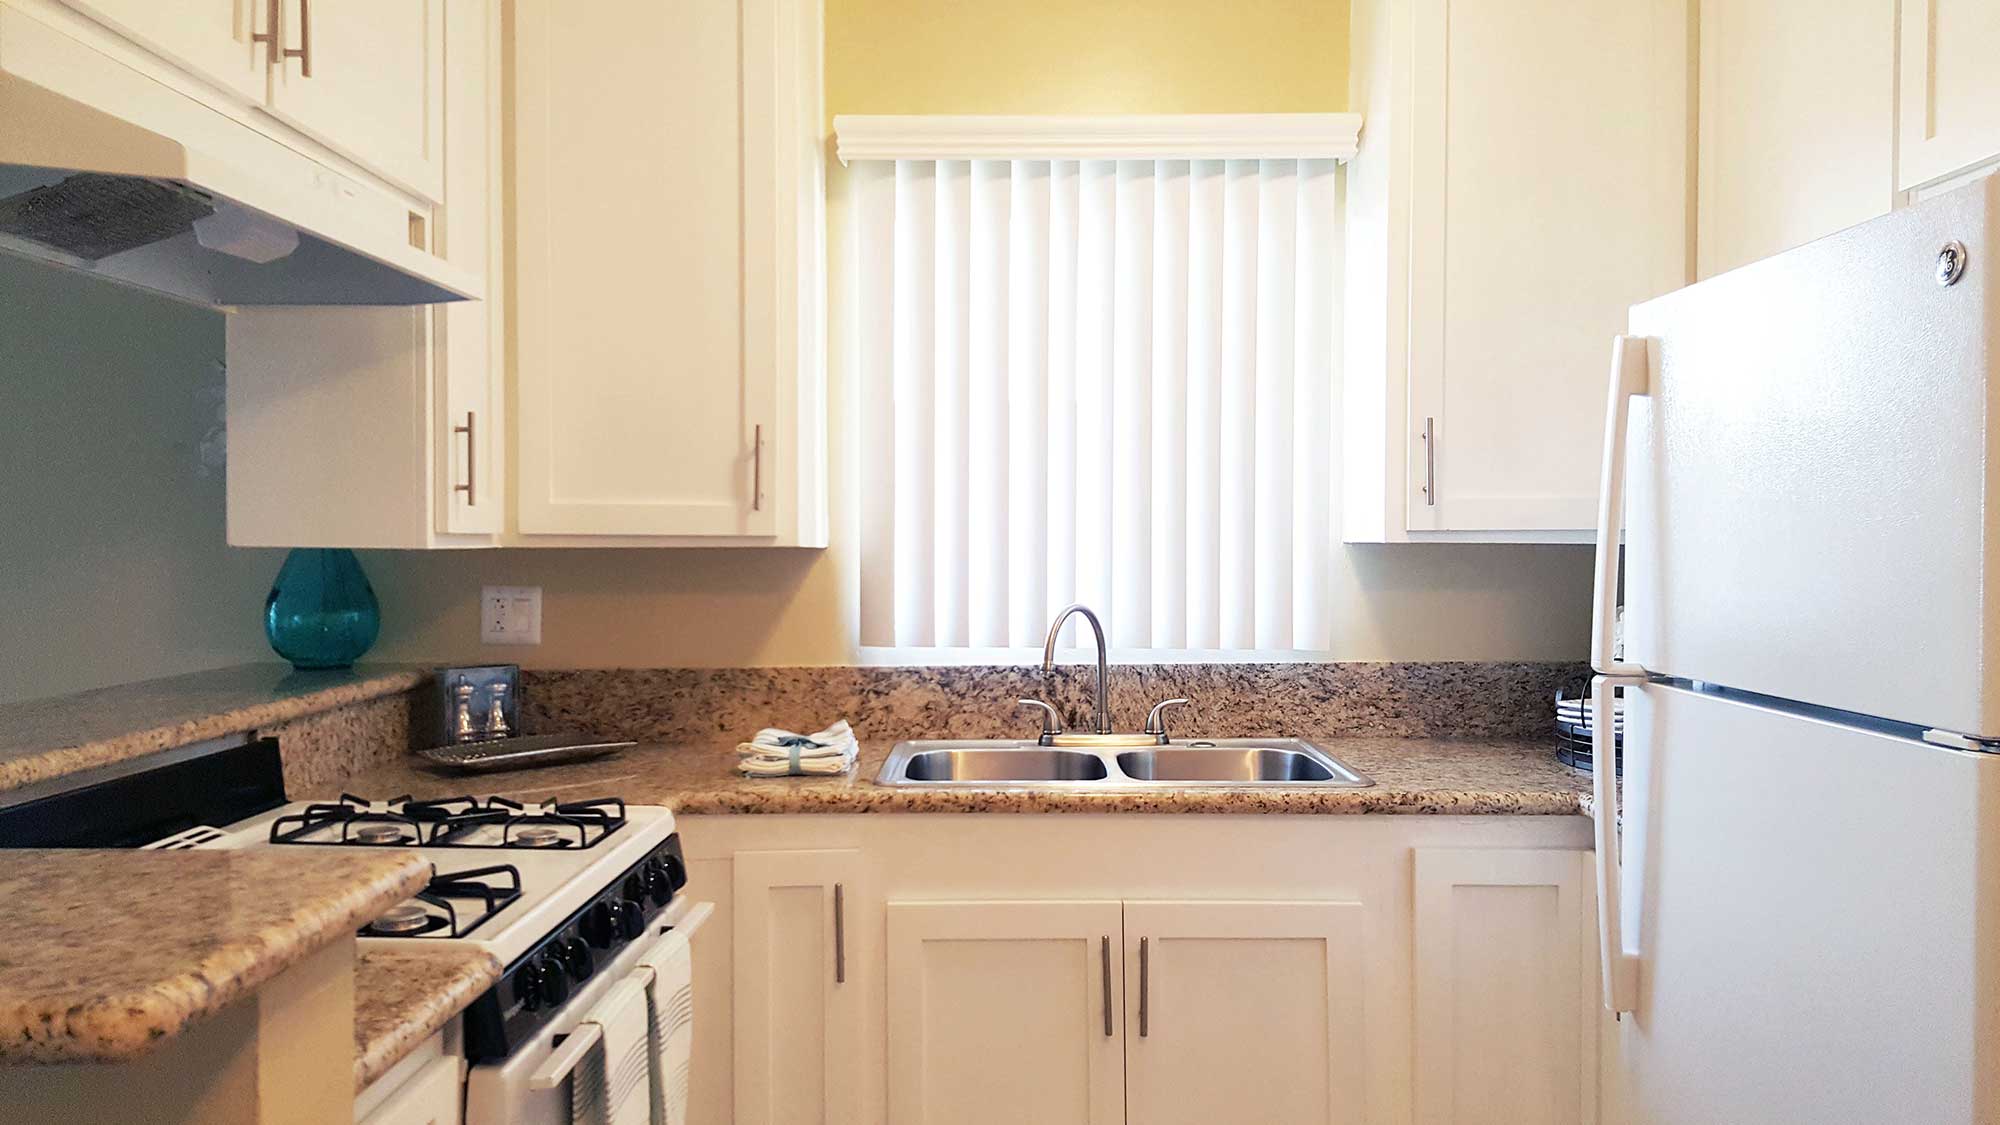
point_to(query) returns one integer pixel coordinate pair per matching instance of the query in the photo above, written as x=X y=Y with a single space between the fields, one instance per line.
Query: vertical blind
x=1106 y=381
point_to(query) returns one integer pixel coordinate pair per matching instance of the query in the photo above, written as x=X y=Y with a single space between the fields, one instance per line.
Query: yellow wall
x=1086 y=56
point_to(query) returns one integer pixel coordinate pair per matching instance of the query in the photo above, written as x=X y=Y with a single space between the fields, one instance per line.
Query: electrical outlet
x=510 y=615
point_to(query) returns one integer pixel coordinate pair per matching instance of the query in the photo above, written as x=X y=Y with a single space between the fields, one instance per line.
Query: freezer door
x=1813 y=909
x=1809 y=473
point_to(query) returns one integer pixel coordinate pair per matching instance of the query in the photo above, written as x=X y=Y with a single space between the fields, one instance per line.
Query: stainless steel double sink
x=1000 y=763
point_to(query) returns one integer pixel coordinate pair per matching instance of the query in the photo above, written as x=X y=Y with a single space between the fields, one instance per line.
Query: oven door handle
x=555 y=1070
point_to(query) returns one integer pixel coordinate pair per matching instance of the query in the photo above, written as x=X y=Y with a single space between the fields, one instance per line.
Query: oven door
x=532 y=1086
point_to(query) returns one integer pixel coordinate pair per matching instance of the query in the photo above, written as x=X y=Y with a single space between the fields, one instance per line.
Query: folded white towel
x=777 y=753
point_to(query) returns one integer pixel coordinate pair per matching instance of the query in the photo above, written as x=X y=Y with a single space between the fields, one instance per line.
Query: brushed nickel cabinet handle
x=1145 y=987
x=757 y=471
x=1104 y=955
x=1430 y=463
x=269 y=36
x=839 y=934
x=471 y=470
x=304 y=51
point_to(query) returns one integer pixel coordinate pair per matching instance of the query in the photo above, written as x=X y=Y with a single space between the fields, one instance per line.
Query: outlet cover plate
x=510 y=615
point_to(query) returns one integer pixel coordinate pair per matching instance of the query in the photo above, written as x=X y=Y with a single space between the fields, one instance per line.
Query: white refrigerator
x=1804 y=454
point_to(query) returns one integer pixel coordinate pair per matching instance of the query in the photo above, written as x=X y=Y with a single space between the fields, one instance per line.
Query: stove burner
x=539 y=836
x=452 y=822
x=451 y=906
x=405 y=919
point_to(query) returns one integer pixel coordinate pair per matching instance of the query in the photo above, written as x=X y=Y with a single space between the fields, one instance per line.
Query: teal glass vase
x=321 y=613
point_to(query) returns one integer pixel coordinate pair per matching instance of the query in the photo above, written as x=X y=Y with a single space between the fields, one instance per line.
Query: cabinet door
x=1798 y=123
x=645 y=251
x=470 y=358
x=430 y=1097
x=1951 y=88
x=368 y=79
x=211 y=38
x=1243 y=1011
x=1506 y=987
x=802 y=970
x=1005 y=1012
x=1550 y=176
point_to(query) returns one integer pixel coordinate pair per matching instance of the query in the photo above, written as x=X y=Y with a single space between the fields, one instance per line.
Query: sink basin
x=1000 y=763
x=1256 y=763
x=1017 y=763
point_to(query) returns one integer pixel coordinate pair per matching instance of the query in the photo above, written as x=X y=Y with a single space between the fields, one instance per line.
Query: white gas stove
x=578 y=900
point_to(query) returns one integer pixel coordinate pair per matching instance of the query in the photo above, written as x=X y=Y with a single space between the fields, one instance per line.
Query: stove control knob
x=676 y=869
x=552 y=981
x=637 y=882
x=576 y=958
x=631 y=920
x=659 y=885
x=600 y=923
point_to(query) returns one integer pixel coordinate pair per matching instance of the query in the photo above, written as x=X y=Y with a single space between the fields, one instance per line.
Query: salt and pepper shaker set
x=464 y=729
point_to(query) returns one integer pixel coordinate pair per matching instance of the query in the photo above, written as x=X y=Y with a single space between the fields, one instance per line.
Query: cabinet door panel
x=472 y=356
x=1549 y=196
x=212 y=38
x=1798 y=123
x=1506 y=994
x=1252 y=1012
x=643 y=263
x=801 y=1043
x=376 y=87
x=998 y=1010
x=1951 y=88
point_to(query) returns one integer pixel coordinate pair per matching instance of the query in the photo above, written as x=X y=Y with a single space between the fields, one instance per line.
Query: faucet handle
x=1051 y=719
x=1156 y=719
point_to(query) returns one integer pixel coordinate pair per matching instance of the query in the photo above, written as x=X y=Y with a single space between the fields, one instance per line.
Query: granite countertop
x=402 y=998
x=1412 y=775
x=105 y=954
x=45 y=738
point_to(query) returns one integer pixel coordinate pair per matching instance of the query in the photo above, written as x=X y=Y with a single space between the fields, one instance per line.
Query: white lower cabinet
x=1006 y=1011
x=1243 y=1011
x=1506 y=986
x=1151 y=970
x=801 y=986
x=429 y=1097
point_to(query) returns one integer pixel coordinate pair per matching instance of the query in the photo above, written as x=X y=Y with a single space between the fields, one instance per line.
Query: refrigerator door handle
x=1631 y=374
x=1620 y=964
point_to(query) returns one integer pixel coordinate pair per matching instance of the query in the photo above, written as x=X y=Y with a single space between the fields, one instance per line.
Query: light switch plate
x=510 y=615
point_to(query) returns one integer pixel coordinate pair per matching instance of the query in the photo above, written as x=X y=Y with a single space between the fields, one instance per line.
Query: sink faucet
x=1103 y=711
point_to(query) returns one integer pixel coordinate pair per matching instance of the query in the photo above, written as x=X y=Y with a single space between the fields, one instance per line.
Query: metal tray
x=521 y=753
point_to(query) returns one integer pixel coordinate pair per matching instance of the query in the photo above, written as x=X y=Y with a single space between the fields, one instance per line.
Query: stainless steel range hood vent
x=86 y=189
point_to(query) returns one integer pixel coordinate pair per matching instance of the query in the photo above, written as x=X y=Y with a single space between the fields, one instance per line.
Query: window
x=1098 y=380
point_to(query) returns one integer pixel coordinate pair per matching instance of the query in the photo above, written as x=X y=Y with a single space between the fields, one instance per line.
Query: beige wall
x=733 y=607
x=112 y=563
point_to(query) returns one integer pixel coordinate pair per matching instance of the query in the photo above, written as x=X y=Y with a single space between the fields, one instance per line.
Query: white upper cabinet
x=667 y=250
x=1798 y=123
x=218 y=40
x=385 y=427
x=1950 y=89
x=1522 y=180
x=367 y=77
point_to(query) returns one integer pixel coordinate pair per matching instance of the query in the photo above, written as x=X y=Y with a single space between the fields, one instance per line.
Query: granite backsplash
x=1422 y=700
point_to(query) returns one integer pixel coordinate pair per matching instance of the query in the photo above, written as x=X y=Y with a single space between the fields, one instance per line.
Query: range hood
x=265 y=225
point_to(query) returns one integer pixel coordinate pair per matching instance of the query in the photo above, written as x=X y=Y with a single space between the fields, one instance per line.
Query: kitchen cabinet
x=667 y=267
x=1798 y=123
x=802 y=976
x=1950 y=103
x=1523 y=178
x=430 y=1097
x=1243 y=1011
x=1006 y=1011
x=1506 y=986
x=217 y=40
x=367 y=77
x=381 y=427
